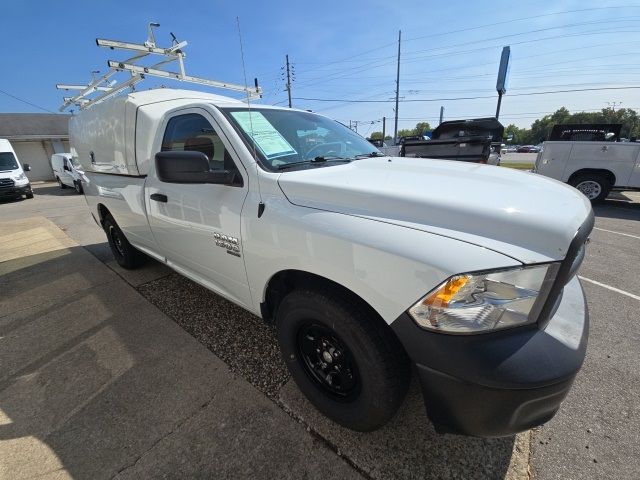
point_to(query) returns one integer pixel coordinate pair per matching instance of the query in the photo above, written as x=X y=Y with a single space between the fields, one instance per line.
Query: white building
x=35 y=137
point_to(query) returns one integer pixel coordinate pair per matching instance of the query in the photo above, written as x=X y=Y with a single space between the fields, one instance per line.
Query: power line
x=493 y=24
x=414 y=100
x=376 y=63
x=27 y=102
x=527 y=32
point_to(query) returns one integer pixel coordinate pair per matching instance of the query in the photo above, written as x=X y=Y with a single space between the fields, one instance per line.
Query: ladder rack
x=107 y=88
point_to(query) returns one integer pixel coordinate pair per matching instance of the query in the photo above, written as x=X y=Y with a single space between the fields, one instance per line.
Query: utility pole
x=395 y=128
x=384 y=128
x=441 y=114
x=288 y=80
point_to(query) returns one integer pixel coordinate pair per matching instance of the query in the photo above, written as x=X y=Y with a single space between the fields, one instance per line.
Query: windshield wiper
x=318 y=159
x=370 y=154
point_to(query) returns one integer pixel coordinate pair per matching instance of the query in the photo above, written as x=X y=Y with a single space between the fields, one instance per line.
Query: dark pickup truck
x=476 y=140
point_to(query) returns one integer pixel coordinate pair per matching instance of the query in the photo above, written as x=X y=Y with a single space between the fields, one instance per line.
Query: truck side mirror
x=189 y=167
x=26 y=167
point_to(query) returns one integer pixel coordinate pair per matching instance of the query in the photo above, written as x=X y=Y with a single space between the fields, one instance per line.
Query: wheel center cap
x=326 y=356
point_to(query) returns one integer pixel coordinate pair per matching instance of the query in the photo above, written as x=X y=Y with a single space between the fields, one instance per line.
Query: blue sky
x=346 y=51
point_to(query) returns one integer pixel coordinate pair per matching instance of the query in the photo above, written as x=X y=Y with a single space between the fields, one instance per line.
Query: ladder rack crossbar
x=174 y=50
x=107 y=89
x=137 y=69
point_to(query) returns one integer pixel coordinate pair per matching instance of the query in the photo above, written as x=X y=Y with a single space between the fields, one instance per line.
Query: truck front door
x=197 y=226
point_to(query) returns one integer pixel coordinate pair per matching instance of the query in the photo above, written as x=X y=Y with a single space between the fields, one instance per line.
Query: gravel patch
x=242 y=340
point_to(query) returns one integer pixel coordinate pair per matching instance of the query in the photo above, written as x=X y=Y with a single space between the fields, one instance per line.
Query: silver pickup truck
x=366 y=264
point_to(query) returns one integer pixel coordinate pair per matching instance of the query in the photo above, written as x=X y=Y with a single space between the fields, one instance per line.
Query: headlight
x=483 y=301
x=20 y=177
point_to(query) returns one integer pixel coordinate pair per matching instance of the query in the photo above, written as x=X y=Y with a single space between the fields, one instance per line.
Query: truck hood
x=523 y=215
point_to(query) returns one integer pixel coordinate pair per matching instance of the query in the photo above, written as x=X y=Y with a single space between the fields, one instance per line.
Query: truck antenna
x=244 y=72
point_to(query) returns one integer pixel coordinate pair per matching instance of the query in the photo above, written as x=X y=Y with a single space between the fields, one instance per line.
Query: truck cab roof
x=147 y=97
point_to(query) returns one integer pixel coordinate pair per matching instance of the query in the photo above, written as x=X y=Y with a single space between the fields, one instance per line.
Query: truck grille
x=6 y=183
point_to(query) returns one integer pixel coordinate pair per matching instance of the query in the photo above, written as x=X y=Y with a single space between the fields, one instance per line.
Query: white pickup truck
x=366 y=264
x=575 y=155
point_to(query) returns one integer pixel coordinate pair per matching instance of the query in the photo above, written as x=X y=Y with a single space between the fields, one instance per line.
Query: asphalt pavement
x=595 y=434
x=96 y=382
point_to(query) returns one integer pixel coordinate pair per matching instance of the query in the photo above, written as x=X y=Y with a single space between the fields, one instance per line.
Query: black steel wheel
x=328 y=361
x=124 y=253
x=342 y=356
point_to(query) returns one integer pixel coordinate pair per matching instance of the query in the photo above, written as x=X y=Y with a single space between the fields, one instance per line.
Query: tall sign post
x=503 y=73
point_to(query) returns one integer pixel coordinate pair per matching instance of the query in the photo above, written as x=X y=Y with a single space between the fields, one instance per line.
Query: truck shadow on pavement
x=618 y=208
x=80 y=380
x=97 y=383
x=55 y=190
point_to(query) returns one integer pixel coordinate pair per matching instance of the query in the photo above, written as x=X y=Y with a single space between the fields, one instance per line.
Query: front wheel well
x=102 y=213
x=285 y=281
x=610 y=177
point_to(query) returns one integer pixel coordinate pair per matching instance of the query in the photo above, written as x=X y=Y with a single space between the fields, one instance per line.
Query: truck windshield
x=7 y=161
x=283 y=138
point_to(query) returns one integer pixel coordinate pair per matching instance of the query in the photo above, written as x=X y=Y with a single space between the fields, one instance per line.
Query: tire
x=593 y=186
x=368 y=367
x=125 y=254
x=78 y=186
x=29 y=195
x=62 y=185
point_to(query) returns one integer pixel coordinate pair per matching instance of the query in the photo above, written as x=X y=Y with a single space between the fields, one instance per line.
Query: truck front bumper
x=15 y=191
x=498 y=384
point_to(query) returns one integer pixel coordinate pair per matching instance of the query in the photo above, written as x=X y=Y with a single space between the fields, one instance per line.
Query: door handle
x=158 y=197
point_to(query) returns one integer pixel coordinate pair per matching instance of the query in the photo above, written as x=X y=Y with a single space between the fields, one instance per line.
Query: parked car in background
x=13 y=179
x=593 y=166
x=67 y=171
x=476 y=140
x=525 y=149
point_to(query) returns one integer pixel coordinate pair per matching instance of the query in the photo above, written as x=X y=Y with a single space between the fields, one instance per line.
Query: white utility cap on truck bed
x=109 y=136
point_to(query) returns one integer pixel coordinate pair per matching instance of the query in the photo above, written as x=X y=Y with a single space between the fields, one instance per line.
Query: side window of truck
x=193 y=132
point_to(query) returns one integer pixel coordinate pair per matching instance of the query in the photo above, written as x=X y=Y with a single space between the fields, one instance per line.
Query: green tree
x=422 y=127
x=378 y=136
x=419 y=129
x=406 y=132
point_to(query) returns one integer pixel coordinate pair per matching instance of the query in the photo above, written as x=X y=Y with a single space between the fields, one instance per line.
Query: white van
x=67 y=171
x=13 y=181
